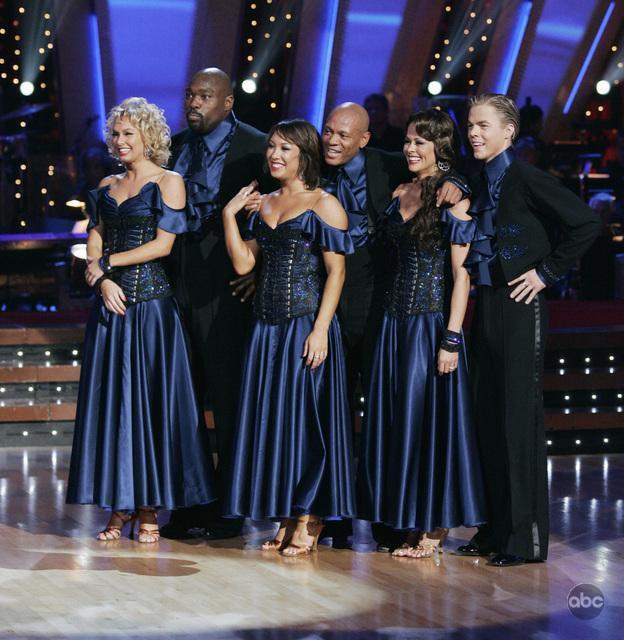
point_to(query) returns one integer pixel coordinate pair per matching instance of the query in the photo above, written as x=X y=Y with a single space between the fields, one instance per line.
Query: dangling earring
x=443 y=165
x=148 y=152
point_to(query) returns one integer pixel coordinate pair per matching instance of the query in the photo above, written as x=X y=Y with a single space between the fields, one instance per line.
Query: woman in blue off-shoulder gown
x=419 y=469
x=292 y=447
x=140 y=442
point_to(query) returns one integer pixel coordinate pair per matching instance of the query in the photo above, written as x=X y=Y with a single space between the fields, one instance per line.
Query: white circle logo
x=585 y=601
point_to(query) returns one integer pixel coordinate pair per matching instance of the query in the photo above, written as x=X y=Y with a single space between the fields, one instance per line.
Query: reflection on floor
x=56 y=581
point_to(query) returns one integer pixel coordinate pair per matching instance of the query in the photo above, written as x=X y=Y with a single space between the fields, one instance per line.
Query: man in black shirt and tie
x=217 y=155
x=363 y=179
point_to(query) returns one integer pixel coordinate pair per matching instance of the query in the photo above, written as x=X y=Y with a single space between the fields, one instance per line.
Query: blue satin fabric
x=312 y=227
x=419 y=467
x=147 y=202
x=139 y=435
x=348 y=184
x=293 y=452
x=292 y=447
x=483 y=250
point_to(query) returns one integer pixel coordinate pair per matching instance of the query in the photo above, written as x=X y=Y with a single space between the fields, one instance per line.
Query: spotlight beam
x=588 y=58
x=32 y=26
x=459 y=52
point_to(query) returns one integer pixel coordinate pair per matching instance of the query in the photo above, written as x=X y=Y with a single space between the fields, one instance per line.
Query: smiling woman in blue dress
x=139 y=441
x=292 y=449
x=419 y=471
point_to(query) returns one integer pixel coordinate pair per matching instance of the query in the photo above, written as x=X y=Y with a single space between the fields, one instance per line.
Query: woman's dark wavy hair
x=434 y=126
x=304 y=136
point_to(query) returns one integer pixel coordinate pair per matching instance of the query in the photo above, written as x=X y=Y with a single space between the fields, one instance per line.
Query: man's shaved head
x=345 y=133
x=216 y=76
x=354 y=112
x=208 y=99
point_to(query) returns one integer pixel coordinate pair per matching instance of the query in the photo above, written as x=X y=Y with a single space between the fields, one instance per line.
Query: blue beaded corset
x=417 y=284
x=418 y=277
x=129 y=225
x=293 y=274
x=140 y=282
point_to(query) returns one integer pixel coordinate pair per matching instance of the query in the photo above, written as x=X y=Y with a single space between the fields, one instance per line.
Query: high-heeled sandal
x=313 y=529
x=116 y=523
x=282 y=537
x=427 y=546
x=149 y=532
x=411 y=542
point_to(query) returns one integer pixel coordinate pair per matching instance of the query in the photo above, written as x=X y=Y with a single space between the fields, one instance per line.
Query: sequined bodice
x=417 y=284
x=418 y=277
x=293 y=274
x=129 y=225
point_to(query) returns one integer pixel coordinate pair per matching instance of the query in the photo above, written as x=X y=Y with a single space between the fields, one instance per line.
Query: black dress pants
x=506 y=366
x=359 y=313
x=218 y=326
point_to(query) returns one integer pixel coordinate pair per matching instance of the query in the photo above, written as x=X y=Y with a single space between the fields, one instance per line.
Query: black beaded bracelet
x=105 y=265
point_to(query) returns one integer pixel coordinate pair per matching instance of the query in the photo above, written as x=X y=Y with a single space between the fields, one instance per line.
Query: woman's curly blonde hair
x=149 y=119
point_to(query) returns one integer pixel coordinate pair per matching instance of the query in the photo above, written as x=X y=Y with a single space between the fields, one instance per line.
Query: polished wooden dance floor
x=56 y=581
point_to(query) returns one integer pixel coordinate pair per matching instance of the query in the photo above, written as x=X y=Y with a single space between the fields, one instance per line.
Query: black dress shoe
x=471 y=549
x=220 y=531
x=506 y=560
x=337 y=542
x=338 y=534
x=174 y=531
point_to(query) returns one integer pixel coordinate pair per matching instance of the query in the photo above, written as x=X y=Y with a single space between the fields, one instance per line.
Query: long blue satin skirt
x=419 y=466
x=292 y=450
x=140 y=437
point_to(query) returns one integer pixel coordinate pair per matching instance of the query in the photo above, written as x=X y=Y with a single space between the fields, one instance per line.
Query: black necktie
x=198 y=150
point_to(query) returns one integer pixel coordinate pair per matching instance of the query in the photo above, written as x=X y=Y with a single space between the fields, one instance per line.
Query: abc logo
x=585 y=601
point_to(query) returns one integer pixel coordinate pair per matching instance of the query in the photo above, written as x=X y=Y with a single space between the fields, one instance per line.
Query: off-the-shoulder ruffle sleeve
x=93 y=207
x=247 y=229
x=325 y=235
x=457 y=231
x=168 y=219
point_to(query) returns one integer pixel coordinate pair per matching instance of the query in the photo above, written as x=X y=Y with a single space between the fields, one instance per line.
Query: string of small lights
x=30 y=122
x=465 y=30
x=267 y=54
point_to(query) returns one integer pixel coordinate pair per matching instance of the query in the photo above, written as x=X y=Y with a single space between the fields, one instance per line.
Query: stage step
x=40 y=370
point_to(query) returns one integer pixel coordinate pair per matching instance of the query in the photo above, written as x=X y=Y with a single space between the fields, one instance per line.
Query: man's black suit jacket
x=531 y=201
x=384 y=172
x=244 y=160
x=201 y=276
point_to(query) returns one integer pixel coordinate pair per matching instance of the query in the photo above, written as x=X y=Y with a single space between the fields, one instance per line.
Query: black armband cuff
x=452 y=341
